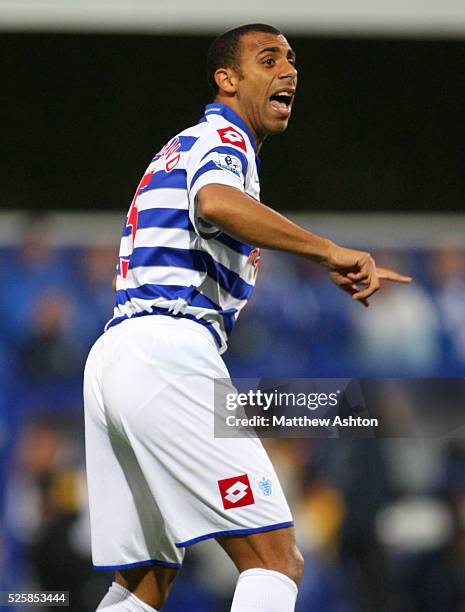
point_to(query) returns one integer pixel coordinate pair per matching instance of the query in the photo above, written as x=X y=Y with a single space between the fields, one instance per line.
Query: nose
x=289 y=71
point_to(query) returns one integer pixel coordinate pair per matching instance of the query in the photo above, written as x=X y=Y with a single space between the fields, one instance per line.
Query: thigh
x=204 y=486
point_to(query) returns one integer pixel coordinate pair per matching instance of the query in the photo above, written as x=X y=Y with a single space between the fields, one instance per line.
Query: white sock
x=119 y=599
x=262 y=590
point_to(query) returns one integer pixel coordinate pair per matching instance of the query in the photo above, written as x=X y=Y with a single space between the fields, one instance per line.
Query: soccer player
x=158 y=480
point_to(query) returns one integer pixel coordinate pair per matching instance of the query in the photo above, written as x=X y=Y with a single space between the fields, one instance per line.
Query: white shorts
x=158 y=480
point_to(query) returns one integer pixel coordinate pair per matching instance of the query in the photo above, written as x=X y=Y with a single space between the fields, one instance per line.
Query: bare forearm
x=254 y=223
x=257 y=224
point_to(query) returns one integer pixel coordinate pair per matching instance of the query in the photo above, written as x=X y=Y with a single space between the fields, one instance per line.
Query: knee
x=290 y=563
x=150 y=584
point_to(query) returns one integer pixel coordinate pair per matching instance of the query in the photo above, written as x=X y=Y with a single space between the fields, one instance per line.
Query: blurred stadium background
x=373 y=158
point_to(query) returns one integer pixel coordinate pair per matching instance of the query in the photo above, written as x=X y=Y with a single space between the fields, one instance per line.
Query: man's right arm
x=255 y=223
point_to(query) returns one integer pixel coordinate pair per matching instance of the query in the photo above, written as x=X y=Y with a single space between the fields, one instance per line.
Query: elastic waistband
x=150 y=321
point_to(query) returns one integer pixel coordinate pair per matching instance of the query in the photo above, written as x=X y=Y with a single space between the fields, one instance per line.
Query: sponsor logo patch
x=236 y=492
x=232 y=136
x=229 y=162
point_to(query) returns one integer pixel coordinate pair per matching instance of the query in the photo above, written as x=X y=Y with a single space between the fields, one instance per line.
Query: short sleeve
x=213 y=162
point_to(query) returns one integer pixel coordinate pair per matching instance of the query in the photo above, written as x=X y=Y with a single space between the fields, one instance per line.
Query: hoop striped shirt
x=173 y=263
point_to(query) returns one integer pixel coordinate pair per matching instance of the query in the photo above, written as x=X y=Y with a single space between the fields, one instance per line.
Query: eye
x=269 y=61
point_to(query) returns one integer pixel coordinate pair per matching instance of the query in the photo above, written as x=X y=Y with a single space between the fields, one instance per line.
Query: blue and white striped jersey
x=173 y=263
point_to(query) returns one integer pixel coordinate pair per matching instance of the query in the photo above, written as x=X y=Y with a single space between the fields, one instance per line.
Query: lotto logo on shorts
x=231 y=136
x=236 y=492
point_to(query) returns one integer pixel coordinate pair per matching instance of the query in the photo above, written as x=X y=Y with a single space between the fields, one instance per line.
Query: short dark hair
x=224 y=52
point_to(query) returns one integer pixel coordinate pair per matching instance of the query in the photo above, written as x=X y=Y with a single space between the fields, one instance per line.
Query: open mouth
x=281 y=102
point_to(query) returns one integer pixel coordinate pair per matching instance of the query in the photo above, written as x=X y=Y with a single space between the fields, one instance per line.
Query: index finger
x=386 y=274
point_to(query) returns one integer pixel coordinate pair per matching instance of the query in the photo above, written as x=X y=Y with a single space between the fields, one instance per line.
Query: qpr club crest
x=265 y=486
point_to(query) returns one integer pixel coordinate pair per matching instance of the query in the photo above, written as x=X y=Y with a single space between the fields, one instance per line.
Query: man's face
x=266 y=89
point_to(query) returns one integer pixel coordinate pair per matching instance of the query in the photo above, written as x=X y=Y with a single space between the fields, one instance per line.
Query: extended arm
x=257 y=224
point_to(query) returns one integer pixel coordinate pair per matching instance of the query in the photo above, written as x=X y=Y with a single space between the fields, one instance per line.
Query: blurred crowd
x=381 y=523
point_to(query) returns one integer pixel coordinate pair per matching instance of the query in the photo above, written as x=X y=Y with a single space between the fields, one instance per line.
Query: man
x=158 y=479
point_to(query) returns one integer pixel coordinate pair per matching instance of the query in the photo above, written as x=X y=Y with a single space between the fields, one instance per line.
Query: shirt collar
x=231 y=116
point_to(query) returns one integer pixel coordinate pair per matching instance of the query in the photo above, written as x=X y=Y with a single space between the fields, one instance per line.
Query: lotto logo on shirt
x=236 y=492
x=229 y=135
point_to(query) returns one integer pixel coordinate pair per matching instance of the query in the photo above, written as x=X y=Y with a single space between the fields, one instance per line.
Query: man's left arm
x=256 y=223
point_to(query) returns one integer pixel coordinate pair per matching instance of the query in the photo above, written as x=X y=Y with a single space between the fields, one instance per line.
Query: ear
x=226 y=79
